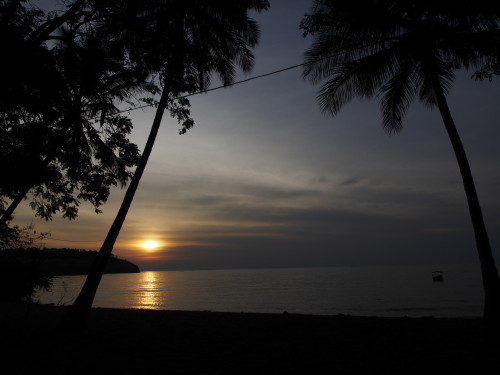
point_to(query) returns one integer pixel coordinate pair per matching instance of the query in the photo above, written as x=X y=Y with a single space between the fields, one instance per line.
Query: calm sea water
x=382 y=291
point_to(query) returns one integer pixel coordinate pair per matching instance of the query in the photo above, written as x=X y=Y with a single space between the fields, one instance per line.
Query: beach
x=133 y=341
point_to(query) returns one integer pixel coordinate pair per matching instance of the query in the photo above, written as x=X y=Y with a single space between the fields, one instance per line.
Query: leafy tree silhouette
x=49 y=128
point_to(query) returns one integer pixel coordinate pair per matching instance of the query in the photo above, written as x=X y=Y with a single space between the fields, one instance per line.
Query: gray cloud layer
x=266 y=180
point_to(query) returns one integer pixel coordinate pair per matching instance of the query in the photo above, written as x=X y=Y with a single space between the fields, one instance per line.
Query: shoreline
x=131 y=341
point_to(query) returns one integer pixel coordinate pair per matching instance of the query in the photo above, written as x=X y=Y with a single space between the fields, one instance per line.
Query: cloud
x=264 y=179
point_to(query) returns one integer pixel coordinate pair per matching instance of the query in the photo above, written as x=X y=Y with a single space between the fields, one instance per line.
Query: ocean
x=362 y=291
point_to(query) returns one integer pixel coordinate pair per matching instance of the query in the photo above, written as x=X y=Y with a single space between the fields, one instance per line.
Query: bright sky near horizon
x=264 y=179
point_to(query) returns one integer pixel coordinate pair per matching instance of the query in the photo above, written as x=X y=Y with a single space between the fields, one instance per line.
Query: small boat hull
x=437 y=276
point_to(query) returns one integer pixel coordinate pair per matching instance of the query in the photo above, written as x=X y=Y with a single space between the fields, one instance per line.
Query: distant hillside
x=59 y=262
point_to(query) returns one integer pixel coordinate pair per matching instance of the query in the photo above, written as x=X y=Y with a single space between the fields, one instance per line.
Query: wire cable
x=222 y=86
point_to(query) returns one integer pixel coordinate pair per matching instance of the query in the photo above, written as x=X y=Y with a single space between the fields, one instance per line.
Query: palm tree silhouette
x=400 y=50
x=190 y=41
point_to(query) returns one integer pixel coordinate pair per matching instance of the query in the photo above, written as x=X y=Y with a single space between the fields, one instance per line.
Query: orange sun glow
x=150 y=245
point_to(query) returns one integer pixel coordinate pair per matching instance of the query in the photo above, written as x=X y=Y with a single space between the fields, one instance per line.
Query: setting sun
x=150 y=245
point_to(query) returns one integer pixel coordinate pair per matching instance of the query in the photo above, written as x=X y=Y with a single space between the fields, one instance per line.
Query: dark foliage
x=60 y=262
x=21 y=274
x=62 y=138
x=26 y=270
x=390 y=50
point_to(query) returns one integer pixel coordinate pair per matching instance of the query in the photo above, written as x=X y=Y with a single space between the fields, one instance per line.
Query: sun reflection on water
x=151 y=294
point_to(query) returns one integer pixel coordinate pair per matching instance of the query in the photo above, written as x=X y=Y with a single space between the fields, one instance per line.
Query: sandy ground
x=179 y=342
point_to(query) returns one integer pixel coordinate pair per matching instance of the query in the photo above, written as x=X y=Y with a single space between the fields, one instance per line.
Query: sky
x=264 y=179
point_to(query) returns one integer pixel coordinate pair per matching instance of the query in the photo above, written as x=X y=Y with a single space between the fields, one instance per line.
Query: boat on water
x=437 y=276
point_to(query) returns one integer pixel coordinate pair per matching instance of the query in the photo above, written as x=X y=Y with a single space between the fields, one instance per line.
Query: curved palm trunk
x=76 y=317
x=491 y=280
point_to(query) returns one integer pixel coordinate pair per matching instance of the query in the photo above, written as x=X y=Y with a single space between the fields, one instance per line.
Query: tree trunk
x=491 y=280
x=7 y=215
x=77 y=315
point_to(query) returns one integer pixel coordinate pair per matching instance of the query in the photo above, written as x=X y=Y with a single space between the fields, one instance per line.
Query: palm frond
x=395 y=48
x=399 y=93
x=437 y=71
x=357 y=78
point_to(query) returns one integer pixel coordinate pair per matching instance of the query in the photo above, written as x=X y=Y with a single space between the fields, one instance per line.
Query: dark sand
x=173 y=342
